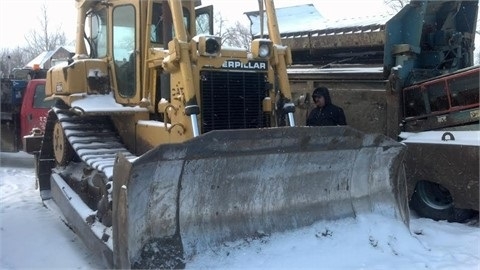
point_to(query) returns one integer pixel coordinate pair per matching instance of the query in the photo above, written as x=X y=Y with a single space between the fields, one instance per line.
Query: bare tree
x=43 y=38
x=220 y=27
x=238 y=36
x=395 y=5
x=12 y=58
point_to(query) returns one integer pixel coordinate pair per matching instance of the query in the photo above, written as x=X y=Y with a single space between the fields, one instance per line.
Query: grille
x=232 y=99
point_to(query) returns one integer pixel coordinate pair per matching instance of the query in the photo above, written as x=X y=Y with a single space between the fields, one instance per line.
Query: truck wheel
x=432 y=200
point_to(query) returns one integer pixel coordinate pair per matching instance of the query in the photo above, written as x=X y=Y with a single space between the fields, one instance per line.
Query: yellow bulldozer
x=163 y=143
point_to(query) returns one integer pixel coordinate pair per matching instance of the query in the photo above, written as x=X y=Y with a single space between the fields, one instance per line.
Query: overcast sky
x=19 y=17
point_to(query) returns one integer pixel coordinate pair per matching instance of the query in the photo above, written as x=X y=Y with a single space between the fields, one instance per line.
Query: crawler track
x=93 y=138
x=81 y=187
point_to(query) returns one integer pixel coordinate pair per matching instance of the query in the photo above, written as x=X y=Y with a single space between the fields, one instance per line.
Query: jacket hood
x=322 y=91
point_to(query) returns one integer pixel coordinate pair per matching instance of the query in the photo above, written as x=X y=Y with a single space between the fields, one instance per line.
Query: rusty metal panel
x=360 y=92
x=443 y=120
x=455 y=167
x=365 y=110
x=296 y=43
x=372 y=39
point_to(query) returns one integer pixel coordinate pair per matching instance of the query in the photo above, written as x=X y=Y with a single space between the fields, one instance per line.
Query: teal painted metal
x=430 y=38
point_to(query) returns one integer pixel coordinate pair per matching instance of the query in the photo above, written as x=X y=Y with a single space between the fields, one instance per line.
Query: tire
x=464 y=215
x=432 y=200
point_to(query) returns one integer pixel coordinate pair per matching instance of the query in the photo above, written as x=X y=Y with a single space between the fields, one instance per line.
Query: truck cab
x=27 y=111
x=33 y=113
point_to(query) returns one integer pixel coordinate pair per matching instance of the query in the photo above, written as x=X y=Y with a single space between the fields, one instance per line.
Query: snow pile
x=443 y=137
x=368 y=242
x=101 y=103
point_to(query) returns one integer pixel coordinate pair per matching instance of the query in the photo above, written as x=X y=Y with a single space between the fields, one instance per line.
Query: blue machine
x=429 y=38
x=18 y=87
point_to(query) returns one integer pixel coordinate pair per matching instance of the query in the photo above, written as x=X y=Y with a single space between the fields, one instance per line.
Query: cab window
x=464 y=91
x=39 y=101
x=156 y=27
x=96 y=33
x=203 y=24
x=162 y=22
x=124 y=53
x=204 y=20
x=414 y=102
x=437 y=97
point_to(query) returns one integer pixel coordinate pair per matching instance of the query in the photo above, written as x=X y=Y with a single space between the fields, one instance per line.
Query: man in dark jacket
x=325 y=113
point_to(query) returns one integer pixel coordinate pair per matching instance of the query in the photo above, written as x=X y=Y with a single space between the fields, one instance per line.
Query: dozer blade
x=177 y=200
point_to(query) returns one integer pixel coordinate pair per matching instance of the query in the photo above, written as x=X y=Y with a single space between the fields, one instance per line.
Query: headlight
x=209 y=45
x=212 y=46
x=262 y=48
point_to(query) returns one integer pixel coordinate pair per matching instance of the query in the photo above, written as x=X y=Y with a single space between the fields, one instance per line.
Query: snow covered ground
x=33 y=237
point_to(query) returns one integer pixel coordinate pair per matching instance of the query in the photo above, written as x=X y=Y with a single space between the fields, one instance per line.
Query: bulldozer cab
x=162 y=57
x=129 y=42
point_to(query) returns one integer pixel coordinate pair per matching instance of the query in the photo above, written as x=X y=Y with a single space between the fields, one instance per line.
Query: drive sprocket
x=62 y=149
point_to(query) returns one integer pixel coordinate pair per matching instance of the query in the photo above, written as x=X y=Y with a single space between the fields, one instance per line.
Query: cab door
x=34 y=109
x=125 y=51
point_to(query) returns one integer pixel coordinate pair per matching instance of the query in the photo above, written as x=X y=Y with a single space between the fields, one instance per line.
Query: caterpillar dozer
x=163 y=143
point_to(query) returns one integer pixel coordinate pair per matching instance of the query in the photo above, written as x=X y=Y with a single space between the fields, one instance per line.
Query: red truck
x=23 y=110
